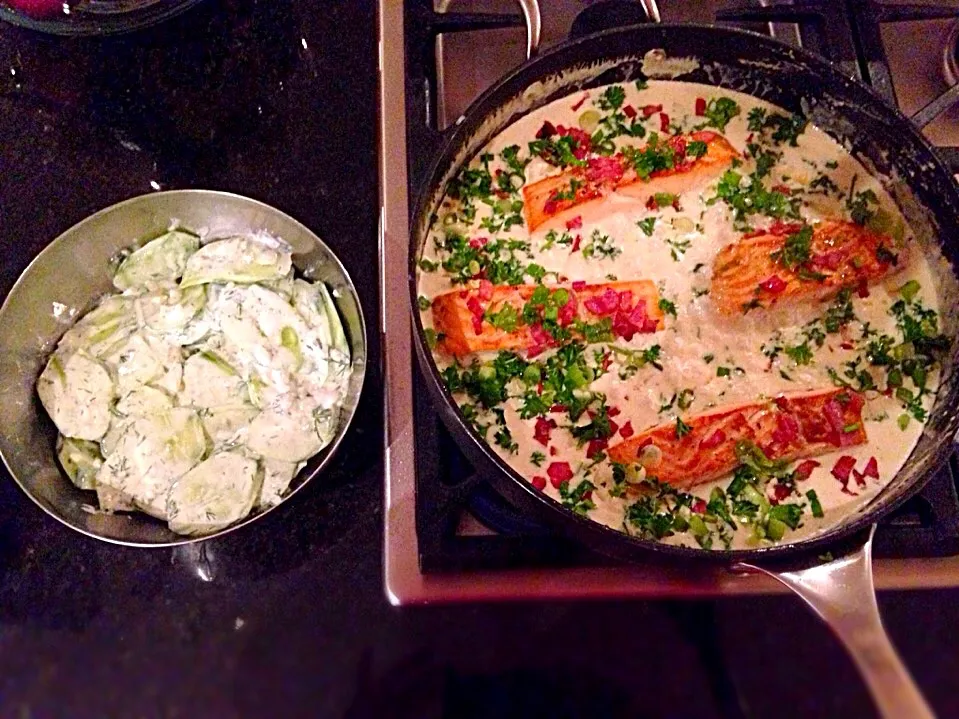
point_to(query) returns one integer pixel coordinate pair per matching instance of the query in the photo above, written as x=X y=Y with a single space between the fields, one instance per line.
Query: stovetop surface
x=461 y=522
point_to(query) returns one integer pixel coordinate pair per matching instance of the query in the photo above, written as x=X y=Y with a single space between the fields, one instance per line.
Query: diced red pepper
x=651 y=203
x=579 y=104
x=567 y=313
x=626 y=431
x=784 y=228
x=534 y=351
x=843 y=468
x=595 y=446
x=477 y=242
x=863 y=288
x=700 y=106
x=663 y=122
x=829 y=260
x=575 y=223
x=804 y=469
x=780 y=492
x=476 y=309
x=542 y=430
x=774 y=284
x=558 y=408
x=699 y=506
x=579 y=285
x=540 y=336
x=713 y=440
x=603 y=304
x=559 y=472
x=612 y=412
x=871 y=469
x=629 y=111
x=576 y=242
x=538 y=482
x=649 y=110
x=782 y=189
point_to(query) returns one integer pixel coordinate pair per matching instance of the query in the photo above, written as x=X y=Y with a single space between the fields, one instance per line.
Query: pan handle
x=534 y=26
x=842 y=593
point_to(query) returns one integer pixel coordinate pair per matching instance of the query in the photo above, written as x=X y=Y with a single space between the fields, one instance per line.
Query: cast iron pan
x=883 y=140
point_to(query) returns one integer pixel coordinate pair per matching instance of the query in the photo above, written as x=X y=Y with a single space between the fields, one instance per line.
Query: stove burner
x=613 y=13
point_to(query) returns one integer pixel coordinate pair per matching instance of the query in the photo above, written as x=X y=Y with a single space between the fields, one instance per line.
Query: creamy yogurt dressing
x=698 y=330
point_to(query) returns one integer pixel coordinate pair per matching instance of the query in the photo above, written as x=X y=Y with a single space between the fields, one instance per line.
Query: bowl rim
x=358 y=369
x=100 y=24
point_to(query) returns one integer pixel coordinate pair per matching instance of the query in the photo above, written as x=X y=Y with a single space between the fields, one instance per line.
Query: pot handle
x=534 y=26
x=842 y=593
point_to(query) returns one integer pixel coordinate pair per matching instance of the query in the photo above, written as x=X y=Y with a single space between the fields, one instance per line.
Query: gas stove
x=448 y=535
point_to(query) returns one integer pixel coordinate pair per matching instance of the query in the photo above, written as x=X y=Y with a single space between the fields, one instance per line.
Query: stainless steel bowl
x=99 y=17
x=68 y=276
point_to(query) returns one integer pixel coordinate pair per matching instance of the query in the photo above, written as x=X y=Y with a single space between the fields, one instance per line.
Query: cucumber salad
x=198 y=391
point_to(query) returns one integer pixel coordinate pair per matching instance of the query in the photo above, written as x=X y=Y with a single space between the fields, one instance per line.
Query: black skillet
x=879 y=136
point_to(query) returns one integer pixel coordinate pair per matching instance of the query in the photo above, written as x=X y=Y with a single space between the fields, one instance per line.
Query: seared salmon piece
x=793 y=262
x=789 y=427
x=556 y=198
x=491 y=317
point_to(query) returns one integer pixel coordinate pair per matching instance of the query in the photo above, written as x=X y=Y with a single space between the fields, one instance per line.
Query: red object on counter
x=37 y=8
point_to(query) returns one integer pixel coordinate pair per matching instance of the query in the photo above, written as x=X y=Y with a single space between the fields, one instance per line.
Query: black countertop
x=275 y=99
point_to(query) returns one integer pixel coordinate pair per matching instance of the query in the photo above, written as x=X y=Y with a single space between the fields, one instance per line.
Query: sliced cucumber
x=214 y=494
x=77 y=394
x=162 y=259
x=277 y=476
x=237 y=259
x=80 y=459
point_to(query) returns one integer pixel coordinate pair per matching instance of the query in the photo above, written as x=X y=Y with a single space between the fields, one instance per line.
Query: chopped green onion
x=814 y=504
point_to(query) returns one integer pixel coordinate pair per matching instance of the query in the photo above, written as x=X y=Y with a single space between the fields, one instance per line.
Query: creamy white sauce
x=699 y=330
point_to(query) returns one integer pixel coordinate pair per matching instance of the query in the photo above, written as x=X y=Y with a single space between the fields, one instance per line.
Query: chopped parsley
x=667 y=306
x=719 y=112
x=537 y=459
x=578 y=499
x=677 y=248
x=753 y=198
x=647 y=225
x=795 y=251
x=601 y=246
x=423 y=303
x=800 y=354
x=612 y=98
x=860 y=204
x=682 y=429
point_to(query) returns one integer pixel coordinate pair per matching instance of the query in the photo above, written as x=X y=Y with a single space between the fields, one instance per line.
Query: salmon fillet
x=792 y=426
x=759 y=271
x=464 y=319
x=556 y=198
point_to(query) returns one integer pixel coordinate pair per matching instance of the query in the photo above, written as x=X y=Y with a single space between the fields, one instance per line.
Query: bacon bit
x=559 y=472
x=485 y=290
x=701 y=106
x=784 y=189
x=872 y=468
x=699 y=506
x=629 y=111
x=804 y=469
x=604 y=169
x=774 y=284
x=787 y=429
x=477 y=242
x=663 y=122
x=542 y=430
x=713 y=440
x=547 y=130
x=843 y=468
x=576 y=242
x=575 y=223
x=863 y=289
x=649 y=110
x=626 y=431
x=538 y=482
x=780 y=492
x=579 y=104
x=579 y=285
x=595 y=446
